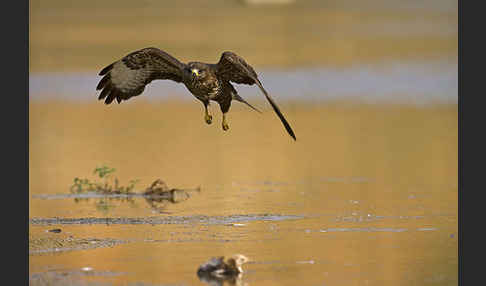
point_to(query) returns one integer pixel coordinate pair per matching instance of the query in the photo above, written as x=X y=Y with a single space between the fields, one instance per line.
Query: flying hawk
x=128 y=77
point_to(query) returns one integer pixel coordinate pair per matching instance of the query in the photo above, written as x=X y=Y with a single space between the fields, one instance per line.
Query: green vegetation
x=108 y=184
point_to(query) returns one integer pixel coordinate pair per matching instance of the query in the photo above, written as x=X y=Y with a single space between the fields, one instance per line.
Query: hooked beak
x=195 y=72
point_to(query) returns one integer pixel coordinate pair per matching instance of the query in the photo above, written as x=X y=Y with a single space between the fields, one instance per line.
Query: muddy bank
x=54 y=244
x=212 y=220
x=68 y=37
x=68 y=277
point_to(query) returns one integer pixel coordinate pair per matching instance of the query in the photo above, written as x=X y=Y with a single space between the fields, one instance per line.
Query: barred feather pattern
x=128 y=76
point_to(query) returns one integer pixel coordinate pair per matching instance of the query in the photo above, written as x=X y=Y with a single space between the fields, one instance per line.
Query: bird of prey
x=128 y=77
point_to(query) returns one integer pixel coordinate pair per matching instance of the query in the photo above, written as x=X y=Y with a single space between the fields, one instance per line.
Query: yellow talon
x=225 y=124
x=209 y=118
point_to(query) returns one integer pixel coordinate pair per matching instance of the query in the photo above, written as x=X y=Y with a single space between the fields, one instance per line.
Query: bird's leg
x=208 y=117
x=225 y=124
x=224 y=104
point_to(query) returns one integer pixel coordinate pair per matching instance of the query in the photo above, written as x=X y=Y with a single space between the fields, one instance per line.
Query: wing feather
x=232 y=67
x=128 y=76
x=105 y=92
x=103 y=82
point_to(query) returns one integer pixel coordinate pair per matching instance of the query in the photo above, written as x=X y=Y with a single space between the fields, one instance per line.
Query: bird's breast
x=214 y=90
x=207 y=89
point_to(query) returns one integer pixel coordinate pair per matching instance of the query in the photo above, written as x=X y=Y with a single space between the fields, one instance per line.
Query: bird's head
x=198 y=70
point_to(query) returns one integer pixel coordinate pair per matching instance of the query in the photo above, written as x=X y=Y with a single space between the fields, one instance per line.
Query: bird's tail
x=240 y=99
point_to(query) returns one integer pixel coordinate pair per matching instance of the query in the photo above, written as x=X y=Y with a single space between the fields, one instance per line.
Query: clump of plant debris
x=157 y=195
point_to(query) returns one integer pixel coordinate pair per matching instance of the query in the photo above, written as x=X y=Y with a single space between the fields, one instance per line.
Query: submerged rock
x=159 y=191
x=218 y=270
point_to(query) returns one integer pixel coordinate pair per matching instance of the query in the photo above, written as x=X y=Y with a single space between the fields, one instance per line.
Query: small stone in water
x=309 y=261
x=238 y=224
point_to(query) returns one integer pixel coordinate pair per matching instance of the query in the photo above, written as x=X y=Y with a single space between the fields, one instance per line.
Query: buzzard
x=128 y=77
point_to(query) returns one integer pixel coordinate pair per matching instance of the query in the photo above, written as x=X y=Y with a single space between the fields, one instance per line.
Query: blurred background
x=369 y=87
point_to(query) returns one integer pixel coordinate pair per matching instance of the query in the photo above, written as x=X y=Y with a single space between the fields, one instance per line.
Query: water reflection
x=158 y=195
x=221 y=271
x=220 y=281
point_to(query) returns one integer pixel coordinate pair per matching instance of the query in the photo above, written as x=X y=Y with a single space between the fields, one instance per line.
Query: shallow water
x=326 y=234
x=367 y=195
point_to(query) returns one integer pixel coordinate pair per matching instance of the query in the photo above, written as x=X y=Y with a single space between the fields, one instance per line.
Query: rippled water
x=305 y=233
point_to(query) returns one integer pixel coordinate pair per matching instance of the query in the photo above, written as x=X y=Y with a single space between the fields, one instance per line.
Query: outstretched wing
x=233 y=68
x=128 y=76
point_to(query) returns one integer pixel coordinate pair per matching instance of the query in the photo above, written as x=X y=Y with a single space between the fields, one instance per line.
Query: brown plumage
x=128 y=77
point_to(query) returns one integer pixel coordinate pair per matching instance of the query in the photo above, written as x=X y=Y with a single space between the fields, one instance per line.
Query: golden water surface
x=377 y=186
